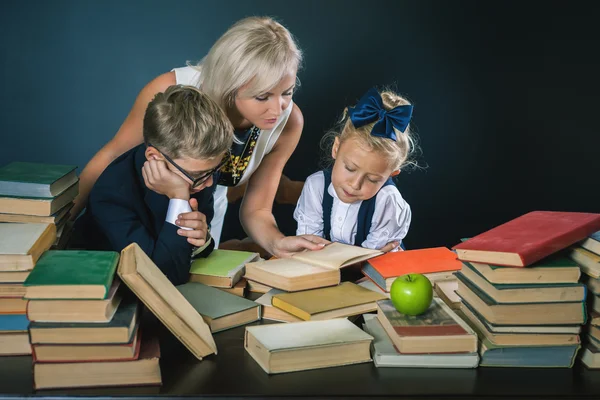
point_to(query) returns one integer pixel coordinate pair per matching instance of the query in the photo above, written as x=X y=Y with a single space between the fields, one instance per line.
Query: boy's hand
x=159 y=178
x=196 y=221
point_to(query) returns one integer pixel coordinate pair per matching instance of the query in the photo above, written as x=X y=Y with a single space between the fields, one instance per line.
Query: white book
x=446 y=291
x=307 y=345
x=588 y=262
x=592 y=243
x=385 y=354
x=590 y=357
x=21 y=245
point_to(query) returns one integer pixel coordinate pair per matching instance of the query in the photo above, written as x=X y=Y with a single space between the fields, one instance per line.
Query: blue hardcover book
x=530 y=357
x=13 y=322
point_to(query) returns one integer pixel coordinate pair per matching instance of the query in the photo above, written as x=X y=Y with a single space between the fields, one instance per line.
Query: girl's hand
x=287 y=246
x=196 y=221
x=389 y=247
x=159 y=178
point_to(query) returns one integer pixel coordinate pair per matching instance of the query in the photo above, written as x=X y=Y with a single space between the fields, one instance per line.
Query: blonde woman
x=251 y=73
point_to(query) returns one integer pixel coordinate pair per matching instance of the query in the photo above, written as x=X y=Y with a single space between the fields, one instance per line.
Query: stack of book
x=39 y=193
x=307 y=286
x=520 y=292
x=308 y=294
x=21 y=246
x=305 y=291
x=437 y=338
x=223 y=269
x=85 y=327
x=587 y=255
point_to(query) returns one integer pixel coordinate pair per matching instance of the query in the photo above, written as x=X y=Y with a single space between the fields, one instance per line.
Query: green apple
x=411 y=294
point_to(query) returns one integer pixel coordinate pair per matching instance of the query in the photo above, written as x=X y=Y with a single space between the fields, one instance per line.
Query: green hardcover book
x=524 y=293
x=520 y=313
x=222 y=268
x=72 y=274
x=219 y=309
x=118 y=330
x=554 y=269
x=36 y=180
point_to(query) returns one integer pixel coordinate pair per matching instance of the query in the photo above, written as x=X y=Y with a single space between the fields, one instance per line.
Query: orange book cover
x=421 y=261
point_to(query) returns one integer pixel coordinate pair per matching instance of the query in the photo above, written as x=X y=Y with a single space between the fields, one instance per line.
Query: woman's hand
x=196 y=222
x=287 y=246
x=256 y=213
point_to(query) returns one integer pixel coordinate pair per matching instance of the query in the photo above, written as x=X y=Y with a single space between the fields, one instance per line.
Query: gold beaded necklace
x=237 y=166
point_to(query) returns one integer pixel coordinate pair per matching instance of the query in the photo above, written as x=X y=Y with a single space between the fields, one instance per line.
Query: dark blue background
x=505 y=93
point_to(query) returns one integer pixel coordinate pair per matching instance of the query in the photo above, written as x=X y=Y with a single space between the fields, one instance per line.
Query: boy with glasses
x=160 y=193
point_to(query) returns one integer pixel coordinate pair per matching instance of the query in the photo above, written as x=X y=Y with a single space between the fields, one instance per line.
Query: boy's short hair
x=182 y=121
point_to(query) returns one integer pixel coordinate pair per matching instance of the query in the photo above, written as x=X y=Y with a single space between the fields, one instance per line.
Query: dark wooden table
x=233 y=373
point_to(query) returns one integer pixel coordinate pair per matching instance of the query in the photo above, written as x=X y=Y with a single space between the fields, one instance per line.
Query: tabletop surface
x=233 y=372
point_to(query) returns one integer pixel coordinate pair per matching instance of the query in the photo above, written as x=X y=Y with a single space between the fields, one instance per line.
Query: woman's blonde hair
x=400 y=153
x=184 y=122
x=257 y=50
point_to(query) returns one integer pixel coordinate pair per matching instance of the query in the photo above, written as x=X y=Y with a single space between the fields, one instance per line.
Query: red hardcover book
x=75 y=353
x=438 y=330
x=528 y=238
x=144 y=370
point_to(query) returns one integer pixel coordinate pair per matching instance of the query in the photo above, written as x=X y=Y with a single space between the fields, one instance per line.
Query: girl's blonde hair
x=400 y=153
x=257 y=51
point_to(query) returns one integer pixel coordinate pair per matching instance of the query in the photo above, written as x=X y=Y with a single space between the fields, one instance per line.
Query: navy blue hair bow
x=370 y=109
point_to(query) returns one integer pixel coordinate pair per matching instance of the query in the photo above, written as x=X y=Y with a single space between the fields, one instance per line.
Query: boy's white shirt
x=180 y=206
x=176 y=207
x=390 y=222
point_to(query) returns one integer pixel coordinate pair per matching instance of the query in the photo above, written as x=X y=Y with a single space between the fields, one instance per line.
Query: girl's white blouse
x=390 y=222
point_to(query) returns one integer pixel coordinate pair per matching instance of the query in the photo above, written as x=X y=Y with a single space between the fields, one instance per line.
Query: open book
x=309 y=269
x=163 y=299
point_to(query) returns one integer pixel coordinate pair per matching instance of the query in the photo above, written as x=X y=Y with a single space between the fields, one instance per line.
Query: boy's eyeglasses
x=195 y=181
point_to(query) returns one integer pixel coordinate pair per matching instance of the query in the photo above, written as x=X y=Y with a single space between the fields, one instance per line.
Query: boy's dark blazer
x=121 y=210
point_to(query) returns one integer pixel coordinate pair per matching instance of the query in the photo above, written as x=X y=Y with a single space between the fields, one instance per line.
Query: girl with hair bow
x=356 y=202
